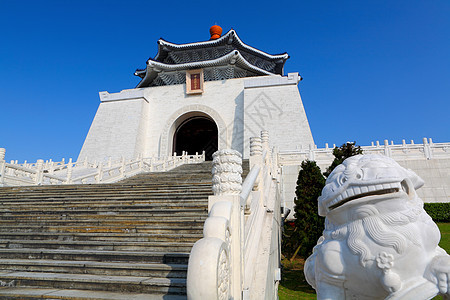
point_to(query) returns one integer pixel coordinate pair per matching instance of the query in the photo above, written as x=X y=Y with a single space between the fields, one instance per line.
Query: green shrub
x=439 y=212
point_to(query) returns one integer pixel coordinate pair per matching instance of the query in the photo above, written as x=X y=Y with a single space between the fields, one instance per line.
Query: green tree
x=340 y=154
x=308 y=224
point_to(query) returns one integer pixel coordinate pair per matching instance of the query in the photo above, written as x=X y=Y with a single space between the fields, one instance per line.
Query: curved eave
x=222 y=40
x=232 y=58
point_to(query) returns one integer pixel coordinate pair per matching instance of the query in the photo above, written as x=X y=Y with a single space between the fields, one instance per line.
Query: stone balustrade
x=242 y=231
x=426 y=150
x=83 y=172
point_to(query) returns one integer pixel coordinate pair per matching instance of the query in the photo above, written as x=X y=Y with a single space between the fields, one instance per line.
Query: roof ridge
x=163 y=43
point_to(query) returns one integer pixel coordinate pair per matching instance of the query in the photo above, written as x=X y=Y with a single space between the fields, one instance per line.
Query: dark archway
x=196 y=134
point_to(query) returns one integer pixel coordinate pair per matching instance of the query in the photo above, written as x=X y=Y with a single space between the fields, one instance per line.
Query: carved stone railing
x=238 y=257
x=83 y=172
x=324 y=156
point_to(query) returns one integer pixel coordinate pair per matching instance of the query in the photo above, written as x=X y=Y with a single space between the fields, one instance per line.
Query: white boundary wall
x=429 y=160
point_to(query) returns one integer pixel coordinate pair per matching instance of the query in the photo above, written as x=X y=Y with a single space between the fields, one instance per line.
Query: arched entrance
x=196 y=134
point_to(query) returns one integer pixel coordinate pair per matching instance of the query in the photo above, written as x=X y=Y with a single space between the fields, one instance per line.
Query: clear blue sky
x=372 y=70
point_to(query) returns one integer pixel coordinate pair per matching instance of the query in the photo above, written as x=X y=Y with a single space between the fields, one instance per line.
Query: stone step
x=36 y=217
x=97 y=245
x=105 y=195
x=95 y=268
x=49 y=191
x=139 y=284
x=33 y=293
x=105 y=207
x=132 y=237
x=127 y=240
x=107 y=222
x=103 y=229
x=186 y=197
x=99 y=214
x=96 y=255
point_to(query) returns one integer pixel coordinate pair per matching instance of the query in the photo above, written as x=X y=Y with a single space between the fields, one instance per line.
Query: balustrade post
x=2 y=154
x=274 y=160
x=141 y=162
x=2 y=165
x=69 y=173
x=39 y=171
x=256 y=151
x=386 y=148
x=203 y=155
x=265 y=144
x=85 y=162
x=256 y=157
x=265 y=140
x=426 y=149
x=122 y=168
x=312 y=155
x=100 y=173
x=227 y=186
x=51 y=167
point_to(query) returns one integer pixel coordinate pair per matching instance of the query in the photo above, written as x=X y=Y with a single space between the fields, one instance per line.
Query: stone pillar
x=2 y=166
x=265 y=140
x=40 y=171
x=256 y=151
x=227 y=170
x=426 y=149
x=227 y=186
x=100 y=173
x=69 y=173
x=2 y=154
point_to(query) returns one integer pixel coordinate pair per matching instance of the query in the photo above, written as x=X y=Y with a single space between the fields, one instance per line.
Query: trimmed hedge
x=439 y=212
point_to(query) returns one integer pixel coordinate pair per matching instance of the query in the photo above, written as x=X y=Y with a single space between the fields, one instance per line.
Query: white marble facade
x=143 y=121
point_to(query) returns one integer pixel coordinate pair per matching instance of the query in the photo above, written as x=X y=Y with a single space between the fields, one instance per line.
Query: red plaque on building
x=194 y=81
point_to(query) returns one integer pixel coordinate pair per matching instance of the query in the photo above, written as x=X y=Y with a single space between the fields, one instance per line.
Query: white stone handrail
x=82 y=172
x=241 y=233
x=426 y=150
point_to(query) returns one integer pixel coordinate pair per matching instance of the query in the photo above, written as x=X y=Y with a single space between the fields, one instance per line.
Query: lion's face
x=364 y=178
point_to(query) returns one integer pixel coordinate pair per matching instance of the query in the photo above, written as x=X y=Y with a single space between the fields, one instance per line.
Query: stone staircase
x=128 y=240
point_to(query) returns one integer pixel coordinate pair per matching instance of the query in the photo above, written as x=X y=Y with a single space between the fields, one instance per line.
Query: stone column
x=265 y=140
x=227 y=186
x=40 y=171
x=227 y=170
x=256 y=151
x=2 y=154
x=2 y=166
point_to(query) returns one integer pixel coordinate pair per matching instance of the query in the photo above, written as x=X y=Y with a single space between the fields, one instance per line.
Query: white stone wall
x=143 y=121
x=116 y=131
x=274 y=104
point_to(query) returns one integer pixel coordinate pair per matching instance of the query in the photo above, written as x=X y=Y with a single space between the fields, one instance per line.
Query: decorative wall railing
x=239 y=255
x=426 y=150
x=83 y=172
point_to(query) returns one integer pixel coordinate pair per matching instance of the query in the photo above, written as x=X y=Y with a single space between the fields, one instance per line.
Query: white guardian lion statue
x=378 y=242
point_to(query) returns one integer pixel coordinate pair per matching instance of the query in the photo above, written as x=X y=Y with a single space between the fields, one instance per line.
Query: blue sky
x=372 y=70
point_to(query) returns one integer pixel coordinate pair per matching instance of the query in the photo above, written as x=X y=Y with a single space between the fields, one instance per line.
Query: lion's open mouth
x=357 y=193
